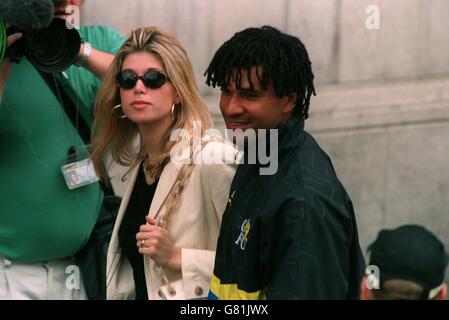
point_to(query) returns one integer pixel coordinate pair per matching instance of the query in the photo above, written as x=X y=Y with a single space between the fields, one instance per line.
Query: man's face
x=255 y=108
x=61 y=6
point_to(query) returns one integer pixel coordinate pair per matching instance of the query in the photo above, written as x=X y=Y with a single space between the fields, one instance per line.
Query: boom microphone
x=27 y=14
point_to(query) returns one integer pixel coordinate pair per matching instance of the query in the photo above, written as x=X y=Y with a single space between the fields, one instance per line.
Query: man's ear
x=365 y=293
x=290 y=103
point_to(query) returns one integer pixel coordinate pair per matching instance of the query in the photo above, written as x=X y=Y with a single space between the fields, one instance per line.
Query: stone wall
x=412 y=39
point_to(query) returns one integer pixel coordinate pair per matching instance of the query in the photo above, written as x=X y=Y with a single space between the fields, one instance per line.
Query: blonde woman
x=164 y=239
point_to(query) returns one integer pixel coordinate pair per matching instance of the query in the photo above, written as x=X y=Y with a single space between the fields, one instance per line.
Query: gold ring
x=142 y=242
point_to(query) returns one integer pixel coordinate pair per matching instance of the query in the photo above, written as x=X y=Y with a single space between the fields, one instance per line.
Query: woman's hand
x=155 y=242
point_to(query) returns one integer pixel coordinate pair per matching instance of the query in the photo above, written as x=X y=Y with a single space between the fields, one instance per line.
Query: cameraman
x=43 y=223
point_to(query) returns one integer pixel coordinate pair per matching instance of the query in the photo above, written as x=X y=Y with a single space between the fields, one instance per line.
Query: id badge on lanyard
x=78 y=170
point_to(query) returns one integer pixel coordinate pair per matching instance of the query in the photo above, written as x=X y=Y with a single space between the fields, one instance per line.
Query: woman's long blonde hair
x=117 y=136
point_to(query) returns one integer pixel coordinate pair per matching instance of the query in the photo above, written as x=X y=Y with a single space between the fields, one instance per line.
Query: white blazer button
x=199 y=291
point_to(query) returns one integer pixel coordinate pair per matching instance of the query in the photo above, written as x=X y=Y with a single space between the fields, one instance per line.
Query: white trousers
x=52 y=280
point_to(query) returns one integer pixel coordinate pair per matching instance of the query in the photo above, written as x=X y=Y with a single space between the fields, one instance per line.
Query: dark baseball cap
x=411 y=253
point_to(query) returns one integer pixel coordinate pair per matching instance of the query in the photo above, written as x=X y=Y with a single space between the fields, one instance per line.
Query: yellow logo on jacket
x=244 y=231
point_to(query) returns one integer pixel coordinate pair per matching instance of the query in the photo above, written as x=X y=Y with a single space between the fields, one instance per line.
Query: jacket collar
x=291 y=133
x=165 y=185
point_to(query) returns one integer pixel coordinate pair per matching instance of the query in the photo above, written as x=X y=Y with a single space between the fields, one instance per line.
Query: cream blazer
x=194 y=226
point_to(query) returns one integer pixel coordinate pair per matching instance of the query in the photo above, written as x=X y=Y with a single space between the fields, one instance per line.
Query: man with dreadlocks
x=293 y=234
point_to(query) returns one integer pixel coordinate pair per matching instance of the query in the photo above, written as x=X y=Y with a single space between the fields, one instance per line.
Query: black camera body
x=52 y=49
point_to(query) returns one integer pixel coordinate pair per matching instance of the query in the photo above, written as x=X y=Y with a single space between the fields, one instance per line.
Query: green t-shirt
x=40 y=218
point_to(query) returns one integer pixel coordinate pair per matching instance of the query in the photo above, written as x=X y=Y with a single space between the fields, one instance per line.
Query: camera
x=52 y=49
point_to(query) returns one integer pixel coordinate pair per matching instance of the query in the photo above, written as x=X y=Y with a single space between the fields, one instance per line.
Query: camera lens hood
x=55 y=48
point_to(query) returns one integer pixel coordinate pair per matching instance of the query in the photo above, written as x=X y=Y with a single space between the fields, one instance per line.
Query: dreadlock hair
x=284 y=59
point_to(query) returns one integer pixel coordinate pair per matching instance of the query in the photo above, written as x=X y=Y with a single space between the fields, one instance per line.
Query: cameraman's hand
x=5 y=67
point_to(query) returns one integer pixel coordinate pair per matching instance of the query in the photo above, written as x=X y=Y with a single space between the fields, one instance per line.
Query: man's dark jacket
x=291 y=235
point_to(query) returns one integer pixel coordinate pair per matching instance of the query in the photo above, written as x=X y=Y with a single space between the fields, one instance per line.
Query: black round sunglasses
x=152 y=79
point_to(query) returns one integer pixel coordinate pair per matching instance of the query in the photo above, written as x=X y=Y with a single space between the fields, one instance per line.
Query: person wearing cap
x=43 y=223
x=411 y=264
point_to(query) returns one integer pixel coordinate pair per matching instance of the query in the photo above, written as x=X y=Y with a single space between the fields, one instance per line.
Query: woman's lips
x=140 y=104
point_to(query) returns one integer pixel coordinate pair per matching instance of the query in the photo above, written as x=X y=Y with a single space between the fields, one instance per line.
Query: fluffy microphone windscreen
x=27 y=14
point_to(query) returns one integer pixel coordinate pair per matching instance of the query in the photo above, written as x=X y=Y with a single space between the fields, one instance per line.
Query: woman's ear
x=176 y=100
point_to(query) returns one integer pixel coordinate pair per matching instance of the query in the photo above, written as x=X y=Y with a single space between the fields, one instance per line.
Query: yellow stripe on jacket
x=232 y=292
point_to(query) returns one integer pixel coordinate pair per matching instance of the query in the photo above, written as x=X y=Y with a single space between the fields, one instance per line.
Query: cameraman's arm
x=5 y=67
x=98 y=61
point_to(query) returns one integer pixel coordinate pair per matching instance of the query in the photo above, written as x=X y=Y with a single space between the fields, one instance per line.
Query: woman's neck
x=152 y=138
